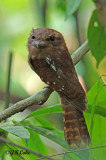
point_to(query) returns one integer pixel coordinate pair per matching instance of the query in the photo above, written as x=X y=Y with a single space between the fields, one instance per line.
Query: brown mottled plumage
x=50 y=59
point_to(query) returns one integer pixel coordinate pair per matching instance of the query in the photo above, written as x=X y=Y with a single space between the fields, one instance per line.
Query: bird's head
x=43 y=42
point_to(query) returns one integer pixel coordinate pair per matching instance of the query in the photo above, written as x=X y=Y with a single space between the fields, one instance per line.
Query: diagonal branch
x=42 y=96
x=80 y=52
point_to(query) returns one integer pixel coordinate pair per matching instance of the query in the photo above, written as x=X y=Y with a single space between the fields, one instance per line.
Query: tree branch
x=38 y=99
x=42 y=96
x=80 y=52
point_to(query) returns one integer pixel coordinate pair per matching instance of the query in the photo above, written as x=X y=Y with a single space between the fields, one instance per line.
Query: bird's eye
x=52 y=38
x=33 y=37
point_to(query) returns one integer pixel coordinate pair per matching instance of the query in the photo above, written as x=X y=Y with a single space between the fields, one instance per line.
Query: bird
x=51 y=61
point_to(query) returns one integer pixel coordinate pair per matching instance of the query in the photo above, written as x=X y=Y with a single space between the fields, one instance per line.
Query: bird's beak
x=36 y=43
x=39 y=44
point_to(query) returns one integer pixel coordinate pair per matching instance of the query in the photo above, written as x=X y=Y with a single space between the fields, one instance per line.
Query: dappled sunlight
x=33 y=84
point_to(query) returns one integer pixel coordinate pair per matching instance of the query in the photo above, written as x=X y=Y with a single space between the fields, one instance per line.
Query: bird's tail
x=75 y=129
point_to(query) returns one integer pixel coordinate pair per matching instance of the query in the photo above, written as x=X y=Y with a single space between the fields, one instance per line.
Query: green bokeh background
x=17 y=18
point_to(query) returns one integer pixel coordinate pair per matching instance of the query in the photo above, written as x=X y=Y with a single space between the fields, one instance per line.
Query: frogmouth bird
x=50 y=59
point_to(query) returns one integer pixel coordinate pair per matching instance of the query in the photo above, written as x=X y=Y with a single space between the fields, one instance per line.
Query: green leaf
x=58 y=139
x=36 y=144
x=96 y=38
x=98 y=110
x=48 y=110
x=19 y=131
x=2 y=145
x=60 y=5
x=72 y=6
x=99 y=90
x=52 y=130
x=95 y=99
x=44 y=123
x=99 y=137
x=49 y=134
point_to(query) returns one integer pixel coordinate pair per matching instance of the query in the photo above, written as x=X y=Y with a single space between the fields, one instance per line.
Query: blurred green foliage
x=97 y=38
x=72 y=6
x=42 y=130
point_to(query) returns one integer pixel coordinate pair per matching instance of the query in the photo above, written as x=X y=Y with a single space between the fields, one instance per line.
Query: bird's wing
x=58 y=72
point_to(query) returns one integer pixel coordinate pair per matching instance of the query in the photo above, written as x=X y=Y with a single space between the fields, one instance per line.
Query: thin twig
x=42 y=96
x=77 y=28
x=73 y=151
x=41 y=7
x=8 y=81
x=22 y=147
x=44 y=5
